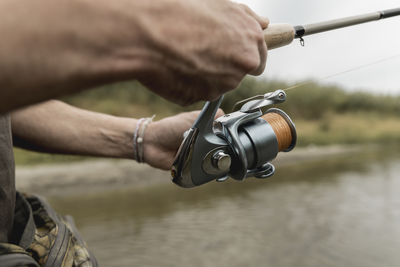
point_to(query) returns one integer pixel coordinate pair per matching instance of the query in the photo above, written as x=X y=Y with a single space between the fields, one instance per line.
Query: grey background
x=333 y=52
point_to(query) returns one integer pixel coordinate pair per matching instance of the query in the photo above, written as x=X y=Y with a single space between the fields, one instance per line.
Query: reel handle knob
x=222 y=161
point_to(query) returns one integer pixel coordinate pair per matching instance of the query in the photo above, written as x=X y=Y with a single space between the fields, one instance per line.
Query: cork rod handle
x=277 y=35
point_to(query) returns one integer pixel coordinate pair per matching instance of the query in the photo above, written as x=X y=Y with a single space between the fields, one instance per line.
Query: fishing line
x=281 y=129
x=298 y=85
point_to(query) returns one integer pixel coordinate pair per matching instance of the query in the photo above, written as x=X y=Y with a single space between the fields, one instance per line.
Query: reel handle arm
x=206 y=118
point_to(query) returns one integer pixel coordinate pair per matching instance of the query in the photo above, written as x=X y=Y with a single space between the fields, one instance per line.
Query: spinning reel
x=238 y=145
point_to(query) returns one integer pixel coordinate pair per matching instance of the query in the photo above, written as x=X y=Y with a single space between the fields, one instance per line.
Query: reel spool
x=238 y=145
x=283 y=127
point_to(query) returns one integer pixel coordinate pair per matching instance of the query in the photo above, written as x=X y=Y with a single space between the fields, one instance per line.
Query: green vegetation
x=323 y=114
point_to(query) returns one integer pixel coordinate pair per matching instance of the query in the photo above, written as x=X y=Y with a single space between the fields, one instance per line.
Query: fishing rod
x=242 y=144
x=278 y=35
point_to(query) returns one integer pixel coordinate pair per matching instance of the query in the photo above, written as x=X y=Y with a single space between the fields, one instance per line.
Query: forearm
x=51 y=48
x=56 y=127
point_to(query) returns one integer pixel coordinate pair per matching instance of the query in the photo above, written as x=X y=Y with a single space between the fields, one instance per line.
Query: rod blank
x=390 y=13
x=344 y=22
x=277 y=35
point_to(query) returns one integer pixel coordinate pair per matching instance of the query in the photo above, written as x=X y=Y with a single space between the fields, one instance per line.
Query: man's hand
x=56 y=127
x=184 y=50
x=203 y=48
x=163 y=138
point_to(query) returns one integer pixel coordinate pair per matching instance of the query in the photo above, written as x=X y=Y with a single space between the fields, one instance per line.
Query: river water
x=341 y=211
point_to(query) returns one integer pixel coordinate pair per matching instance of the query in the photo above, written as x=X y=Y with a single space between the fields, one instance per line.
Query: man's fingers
x=263 y=51
x=264 y=22
x=262 y=47
x=220 y=113
x=193 y=115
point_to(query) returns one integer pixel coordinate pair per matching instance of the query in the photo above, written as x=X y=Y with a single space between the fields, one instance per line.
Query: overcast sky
x=328 y=53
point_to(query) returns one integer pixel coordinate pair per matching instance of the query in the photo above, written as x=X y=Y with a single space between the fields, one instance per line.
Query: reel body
x=238 y=145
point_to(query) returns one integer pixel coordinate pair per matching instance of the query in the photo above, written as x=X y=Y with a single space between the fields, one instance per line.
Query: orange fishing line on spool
x=281 y=128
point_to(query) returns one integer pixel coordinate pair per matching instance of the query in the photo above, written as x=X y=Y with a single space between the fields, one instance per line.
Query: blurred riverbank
x=91 y=176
